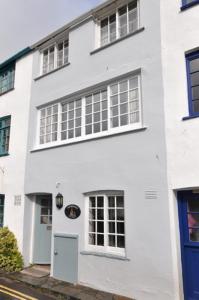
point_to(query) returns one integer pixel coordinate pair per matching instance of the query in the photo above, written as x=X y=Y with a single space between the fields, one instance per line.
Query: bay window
x=112 y=109
x=105 y=223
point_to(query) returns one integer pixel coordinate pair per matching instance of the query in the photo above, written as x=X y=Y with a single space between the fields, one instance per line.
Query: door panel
x=65 y=264
x=189 y=229
x=43 y=230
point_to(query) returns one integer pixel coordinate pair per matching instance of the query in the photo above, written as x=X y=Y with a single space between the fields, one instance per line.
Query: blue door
x=189 y=229
x=43 y=230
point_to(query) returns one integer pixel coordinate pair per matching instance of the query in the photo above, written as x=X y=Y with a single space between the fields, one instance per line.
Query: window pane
x=100 y=214
x=100 y=227
x=100 y=240
x=92 y=238
x=92 y=214
x=111 y=214
x=195 y=79
x=100 y=201
x=111 y=240
x=194 y=65
x=92 y=226
x=111 y=227
x=120 y=242
x=112 y=27
x=104 y=32
x=120 y=228
x=92 y=202
x=120 y=214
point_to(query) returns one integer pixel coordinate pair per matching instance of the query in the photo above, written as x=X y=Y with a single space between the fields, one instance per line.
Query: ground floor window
x=1 y=210
x=106 y=222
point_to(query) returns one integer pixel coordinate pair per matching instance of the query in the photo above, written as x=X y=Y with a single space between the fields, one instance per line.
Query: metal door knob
x=55 y=252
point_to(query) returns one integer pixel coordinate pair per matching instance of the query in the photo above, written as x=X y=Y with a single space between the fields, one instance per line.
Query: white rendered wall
x=179 y=31
x=16 y=103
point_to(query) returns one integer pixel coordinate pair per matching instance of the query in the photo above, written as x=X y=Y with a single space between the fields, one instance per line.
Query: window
x=1 y=210
x=48 y=124
x=188 y=3
x=55 y=56
x=114 y=108
x=4 y=135
x=71 y=125
x=120 y=23
x=7 y=79
x=193 y=83
x=106 y=223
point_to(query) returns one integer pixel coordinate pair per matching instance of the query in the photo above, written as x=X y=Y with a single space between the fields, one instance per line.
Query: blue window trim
x=186 y=5
x=189 y=58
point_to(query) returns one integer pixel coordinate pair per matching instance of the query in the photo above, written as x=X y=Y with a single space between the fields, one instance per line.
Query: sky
x=24 y=22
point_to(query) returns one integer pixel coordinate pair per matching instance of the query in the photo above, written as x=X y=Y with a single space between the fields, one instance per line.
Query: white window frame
x=110 y=130
x=103 y=249
x=55 y=45
x=116 y=12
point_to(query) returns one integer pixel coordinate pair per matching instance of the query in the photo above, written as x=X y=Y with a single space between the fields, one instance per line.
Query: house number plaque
x=72 y=211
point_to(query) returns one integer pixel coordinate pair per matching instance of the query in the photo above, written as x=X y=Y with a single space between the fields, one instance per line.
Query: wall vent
x=17 y=200
x=151 y=195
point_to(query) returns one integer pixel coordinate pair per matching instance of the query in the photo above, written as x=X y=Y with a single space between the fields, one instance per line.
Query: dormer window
x=119 y=24
x=55 y=56
x=7 y=79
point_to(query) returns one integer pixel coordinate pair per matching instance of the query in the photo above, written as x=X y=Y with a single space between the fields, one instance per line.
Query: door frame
x=182 y=219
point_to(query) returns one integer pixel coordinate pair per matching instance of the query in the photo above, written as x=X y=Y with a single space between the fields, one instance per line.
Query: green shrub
x=10 y=258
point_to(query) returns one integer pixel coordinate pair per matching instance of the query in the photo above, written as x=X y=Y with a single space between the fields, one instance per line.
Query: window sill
x=190 y=117
x=10 y=90
x=106 y=255
x=86 y=139
x=5 y=154
x=117 y=41
x=53 y=71
x=186 y=6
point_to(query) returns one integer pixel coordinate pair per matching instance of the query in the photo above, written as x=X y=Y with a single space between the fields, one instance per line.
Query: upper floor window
x=4 y=135
x=122 y=22
x=193 y=83
x=114 y=108
x=105 y=223
x=7 y=79
x=55 y=56
x=1 y=210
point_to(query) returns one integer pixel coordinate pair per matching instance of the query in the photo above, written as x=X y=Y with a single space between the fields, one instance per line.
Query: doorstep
x=64 y=289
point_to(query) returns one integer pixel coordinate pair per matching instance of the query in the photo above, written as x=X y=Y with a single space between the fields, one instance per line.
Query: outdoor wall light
x=59 y=200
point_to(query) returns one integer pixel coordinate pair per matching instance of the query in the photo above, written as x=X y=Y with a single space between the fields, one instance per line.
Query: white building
x=15 y=85
x=111 y=134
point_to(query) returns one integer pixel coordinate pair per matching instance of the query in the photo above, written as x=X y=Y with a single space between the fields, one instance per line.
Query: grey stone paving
x=66 y=290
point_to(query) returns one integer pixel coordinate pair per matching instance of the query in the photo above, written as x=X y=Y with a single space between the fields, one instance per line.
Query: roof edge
x=15 y=57
x=78 y=20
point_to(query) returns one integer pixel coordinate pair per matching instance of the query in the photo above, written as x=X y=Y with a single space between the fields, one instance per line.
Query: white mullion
x=109 y=107
x=118 y=93
x=117 y=25
x=115 y=222
x=83 y=117
x=55 y=55
x=106 y=222
x=127 y=11
x=139 y=100
x=59 y=120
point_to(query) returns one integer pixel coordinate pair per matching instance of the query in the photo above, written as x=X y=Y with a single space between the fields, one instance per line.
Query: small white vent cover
x=17 y=200
x=151 y=195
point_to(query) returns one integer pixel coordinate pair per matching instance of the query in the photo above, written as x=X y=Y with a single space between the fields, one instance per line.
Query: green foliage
x=10 y=258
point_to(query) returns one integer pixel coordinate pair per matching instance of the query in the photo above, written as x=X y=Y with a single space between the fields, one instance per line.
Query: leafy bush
x=10 y=258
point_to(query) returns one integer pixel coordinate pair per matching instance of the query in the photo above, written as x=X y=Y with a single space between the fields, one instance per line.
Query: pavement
x=40 y=281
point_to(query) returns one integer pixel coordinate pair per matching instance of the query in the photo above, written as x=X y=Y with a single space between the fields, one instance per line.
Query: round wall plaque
x=72 y=211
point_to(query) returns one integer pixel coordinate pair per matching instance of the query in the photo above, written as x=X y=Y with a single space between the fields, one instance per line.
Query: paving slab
x=67 y=290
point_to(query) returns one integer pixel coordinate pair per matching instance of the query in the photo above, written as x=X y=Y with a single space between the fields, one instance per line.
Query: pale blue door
x=43 y=230
x=65 y=260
